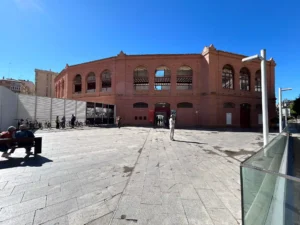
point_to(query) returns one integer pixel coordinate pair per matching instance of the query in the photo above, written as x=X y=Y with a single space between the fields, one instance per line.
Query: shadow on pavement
x=35 y=161
x=191 y=142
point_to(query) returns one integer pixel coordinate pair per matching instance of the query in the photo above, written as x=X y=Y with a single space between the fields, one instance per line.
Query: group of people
x=171 y=123
x=12 y=133
x=62 y=123
x=160 y=121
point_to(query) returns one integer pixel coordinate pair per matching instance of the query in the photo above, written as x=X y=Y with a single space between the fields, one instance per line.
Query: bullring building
x=210 y=89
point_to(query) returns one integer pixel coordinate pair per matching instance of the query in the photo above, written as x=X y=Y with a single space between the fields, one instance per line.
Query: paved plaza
x=127 y=176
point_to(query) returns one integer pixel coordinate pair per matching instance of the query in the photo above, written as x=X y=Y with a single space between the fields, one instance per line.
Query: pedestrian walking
x=172 y=127
x=119 y=120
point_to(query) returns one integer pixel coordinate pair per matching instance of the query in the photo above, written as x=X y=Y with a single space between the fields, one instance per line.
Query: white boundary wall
x=8 y=108
x=18 y=106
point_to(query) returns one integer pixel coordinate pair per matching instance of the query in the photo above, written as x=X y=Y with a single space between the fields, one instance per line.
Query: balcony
x=270 y=181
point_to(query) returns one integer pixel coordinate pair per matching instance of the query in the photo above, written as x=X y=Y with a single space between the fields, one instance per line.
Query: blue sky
x=47 y=34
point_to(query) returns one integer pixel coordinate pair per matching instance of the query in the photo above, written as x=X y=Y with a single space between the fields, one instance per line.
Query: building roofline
x=242 y=56
x=177 y=54
x=135 y=55
x=11 y=80
x=93 y=61
x=151 y=55
x=48 y=71
x=231 y=53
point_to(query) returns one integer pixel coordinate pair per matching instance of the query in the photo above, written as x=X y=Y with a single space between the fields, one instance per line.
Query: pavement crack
x=172 y=186
x=127 y=182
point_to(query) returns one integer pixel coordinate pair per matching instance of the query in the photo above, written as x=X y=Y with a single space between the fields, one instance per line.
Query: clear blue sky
x=47 y=34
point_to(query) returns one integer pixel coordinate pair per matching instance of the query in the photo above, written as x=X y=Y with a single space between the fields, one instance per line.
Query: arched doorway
x=245 y=116
x=161 y=114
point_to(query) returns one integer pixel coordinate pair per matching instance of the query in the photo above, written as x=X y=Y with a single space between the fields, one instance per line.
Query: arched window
x=229 y=105
x=227 y=77
x=185 y=105
x=245 y=79
x=106 y=80
x=140 y=105
x=162 y=79
x=258 y=81
x=140 y=79
x=184 y=78
x=91 y=82
x=245 y=106
x=77 y=83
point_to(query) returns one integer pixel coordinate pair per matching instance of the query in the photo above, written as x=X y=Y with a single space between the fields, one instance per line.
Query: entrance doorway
x=245 y=110
x=162 y=114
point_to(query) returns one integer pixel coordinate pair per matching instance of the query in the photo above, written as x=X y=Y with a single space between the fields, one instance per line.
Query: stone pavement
x=127 y=176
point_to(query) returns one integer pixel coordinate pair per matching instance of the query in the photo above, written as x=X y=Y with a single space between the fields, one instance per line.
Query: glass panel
x=269 y=158
x=90 y=110
x=269 y=199
x=105 y=114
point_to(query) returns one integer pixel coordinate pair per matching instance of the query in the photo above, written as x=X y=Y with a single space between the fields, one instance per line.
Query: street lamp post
x=280 y=106
x=286 y=115
x=264 y=92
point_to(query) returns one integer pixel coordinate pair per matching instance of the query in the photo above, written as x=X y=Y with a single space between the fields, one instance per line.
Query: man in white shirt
x=172 y=127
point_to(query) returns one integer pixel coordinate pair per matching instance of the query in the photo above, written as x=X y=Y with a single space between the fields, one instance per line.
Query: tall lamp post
x=264 y=92
x=280 y=106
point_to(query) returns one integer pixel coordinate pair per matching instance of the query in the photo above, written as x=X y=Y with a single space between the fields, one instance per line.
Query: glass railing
x=269 y=195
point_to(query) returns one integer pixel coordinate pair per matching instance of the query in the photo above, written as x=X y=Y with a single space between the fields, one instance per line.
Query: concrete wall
x=18 y=106
x=8 y=108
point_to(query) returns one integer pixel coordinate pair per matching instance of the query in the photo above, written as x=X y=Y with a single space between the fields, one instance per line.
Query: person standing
x=57 y=122
x=73 y=119
x=172 y=127
x=63 y=122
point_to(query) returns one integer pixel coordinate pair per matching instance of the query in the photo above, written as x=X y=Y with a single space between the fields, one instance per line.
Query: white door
x=228 y=118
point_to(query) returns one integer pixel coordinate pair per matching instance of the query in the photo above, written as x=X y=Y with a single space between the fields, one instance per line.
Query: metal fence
x=44 y=109
x=14 y=107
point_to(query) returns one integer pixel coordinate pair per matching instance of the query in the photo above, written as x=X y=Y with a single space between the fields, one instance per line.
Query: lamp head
x=286 y=89
x=250 y=58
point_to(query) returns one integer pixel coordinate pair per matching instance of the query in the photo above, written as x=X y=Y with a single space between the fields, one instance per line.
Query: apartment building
x=44 y=83
x=18 y=86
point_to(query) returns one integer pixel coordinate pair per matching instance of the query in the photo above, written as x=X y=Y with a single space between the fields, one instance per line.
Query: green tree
x=296 y=106
x=293 y=112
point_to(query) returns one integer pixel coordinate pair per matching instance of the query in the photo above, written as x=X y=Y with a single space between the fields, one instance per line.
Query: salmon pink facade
x=210 y=89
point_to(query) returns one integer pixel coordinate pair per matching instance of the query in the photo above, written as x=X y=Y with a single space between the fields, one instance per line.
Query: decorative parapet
x=208 y=49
